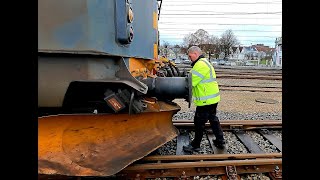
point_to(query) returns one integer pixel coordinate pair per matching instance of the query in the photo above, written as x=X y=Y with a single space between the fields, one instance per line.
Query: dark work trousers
x=202 y=115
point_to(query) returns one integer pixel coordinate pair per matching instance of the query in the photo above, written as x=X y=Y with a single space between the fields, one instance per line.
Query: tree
x=211 y=48
x=186 y=41
x=164 y=48
x=176 y=49
x=227 y=40
x=207 y=43
x=183 y=48
x=199 y=37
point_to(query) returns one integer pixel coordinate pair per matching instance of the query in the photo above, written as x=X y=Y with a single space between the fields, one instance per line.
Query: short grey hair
x=194 y=49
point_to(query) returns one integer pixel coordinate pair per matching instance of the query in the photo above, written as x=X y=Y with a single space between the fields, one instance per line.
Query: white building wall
x=277 y=57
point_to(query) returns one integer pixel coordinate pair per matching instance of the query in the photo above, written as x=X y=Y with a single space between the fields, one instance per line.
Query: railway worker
x=205 y=92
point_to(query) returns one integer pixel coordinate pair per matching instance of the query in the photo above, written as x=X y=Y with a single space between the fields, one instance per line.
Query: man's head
x=194 y=52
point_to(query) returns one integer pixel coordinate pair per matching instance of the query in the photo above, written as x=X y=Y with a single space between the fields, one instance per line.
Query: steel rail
x=241 y=72
x=236 y=124
x=173 y=165
x=197 y=165
x=244 y=86
x=249 y=77
x=198 y=157
x=249 y=73
x=185 y=166
x=252 y=90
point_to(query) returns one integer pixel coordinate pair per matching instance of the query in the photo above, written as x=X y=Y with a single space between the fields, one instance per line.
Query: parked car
x=249 y=64
x=221 y=62
x=214 y=62
x=177 y=61
x=186 y=61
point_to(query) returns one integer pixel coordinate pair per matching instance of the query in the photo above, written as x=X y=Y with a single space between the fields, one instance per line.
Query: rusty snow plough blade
x=99 y=145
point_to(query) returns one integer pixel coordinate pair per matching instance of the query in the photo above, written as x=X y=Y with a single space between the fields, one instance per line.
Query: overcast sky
x=252 y=21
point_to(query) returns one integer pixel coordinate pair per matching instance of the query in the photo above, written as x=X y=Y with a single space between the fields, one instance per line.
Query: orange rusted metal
x=141 y=67
x=101 y=145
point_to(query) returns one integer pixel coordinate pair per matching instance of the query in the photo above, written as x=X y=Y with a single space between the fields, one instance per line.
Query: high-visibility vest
x=205 y=90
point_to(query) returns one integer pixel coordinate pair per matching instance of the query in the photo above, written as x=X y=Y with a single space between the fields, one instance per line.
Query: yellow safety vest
x=205 y=90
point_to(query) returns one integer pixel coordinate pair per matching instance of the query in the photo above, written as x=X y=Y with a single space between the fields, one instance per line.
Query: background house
x=235 y=53
x=277 y=56
x=251 y=55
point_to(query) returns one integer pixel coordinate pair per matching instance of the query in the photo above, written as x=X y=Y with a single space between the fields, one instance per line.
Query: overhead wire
x=168 y=14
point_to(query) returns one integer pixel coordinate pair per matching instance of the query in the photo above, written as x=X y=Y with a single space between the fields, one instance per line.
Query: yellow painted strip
x=155 y=20
x=155 y=51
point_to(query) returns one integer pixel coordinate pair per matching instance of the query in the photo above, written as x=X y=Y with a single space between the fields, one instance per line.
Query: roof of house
x=261 y=47
x=250 y=48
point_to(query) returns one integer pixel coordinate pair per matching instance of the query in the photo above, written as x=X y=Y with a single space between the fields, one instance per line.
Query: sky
x=251 y=21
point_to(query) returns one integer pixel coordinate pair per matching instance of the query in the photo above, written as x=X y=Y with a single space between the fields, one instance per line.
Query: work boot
x=190 y=148
x=219 y=143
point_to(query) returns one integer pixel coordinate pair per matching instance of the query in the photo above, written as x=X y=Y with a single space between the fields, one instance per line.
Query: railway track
x=213 y=164
x=242 y=73
x=250 y=159
x=241 y=76
x=245 y=75
x=220 y=162
x=249 y=88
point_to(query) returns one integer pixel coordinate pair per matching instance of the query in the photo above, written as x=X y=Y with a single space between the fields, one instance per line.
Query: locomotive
x=101 y=102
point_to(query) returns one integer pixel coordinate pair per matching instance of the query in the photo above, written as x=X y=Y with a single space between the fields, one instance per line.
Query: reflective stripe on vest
x=206 y=97
x=211 y=75
x=201 y=76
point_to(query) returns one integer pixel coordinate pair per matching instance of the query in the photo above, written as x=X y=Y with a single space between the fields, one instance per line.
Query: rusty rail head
x=236 y=124
x=173 y=165
x=210 y=157
x=199 y=168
